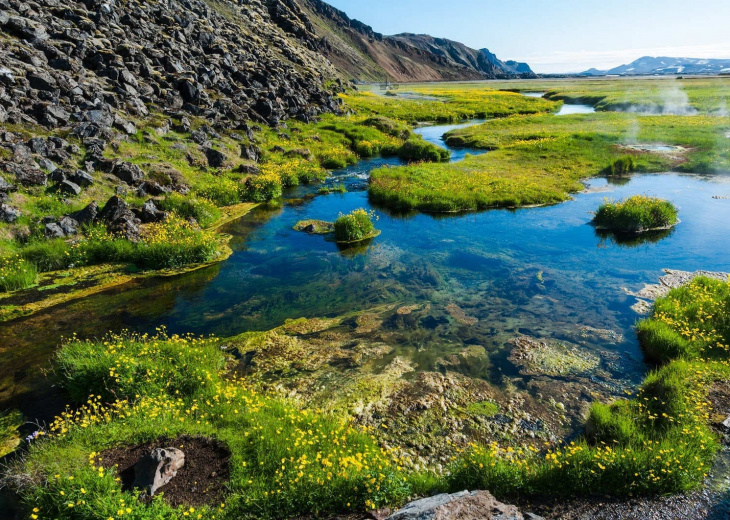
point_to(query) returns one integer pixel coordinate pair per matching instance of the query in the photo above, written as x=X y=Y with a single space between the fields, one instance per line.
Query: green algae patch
x=10 y=422
x=537 y=357
x=315 y=227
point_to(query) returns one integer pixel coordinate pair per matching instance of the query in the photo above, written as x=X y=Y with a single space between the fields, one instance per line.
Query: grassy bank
x=448 y=105
x=541 y=159
x=636 y=214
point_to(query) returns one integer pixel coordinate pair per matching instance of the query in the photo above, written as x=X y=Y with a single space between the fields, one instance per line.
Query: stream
x=543 y=272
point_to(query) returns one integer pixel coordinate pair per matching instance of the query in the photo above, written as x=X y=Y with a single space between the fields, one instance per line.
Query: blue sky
x=561 y=35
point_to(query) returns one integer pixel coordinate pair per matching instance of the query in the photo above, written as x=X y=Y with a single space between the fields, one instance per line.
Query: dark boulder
x=119 y=219
x=150 y=213
x=68 y=187
x=27 y=175
x=128 y=172
x=250 y=152
x=81 y=178
x=216 y=158
x=86 y=215
x=41 y=81
x=53 y=230
x=5 y=186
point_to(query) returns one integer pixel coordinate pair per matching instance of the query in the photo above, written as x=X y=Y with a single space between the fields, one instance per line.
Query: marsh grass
x=201 y=209
x=16 y=273
x=541 y=159
x=636 y=214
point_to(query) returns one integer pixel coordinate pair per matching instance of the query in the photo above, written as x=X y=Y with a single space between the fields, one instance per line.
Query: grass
x=447 y=105
x=16 y=273
x=170 y=244
x=541 y=159
x=355 y=226
x=285 y=461
x=636 y=215
x=415 y=150
x=201 y=209
x=658 y=442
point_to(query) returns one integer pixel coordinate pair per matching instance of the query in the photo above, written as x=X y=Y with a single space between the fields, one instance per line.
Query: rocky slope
x=93 y=64
x=364 y=54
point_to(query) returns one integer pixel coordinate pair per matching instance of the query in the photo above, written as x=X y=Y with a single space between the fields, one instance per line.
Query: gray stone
x=53 y=230
x=41 y=81
x=69 y=226
x=157 y=469
x=9 y=214
x=70 y=188
x=477 y=505
x=128 y=172
x=216 y=159
x=81 y=178
x=86 y=215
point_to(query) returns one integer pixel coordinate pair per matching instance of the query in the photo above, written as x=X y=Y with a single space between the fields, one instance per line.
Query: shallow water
x=569 y=109
x=543 y=272
x=533 y=94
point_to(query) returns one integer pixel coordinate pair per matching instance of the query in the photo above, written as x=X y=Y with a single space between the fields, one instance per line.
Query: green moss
x=483 y=408
x=317 y=227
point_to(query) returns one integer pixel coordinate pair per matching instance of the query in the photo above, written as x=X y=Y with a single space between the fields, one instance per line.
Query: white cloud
x=577 y=61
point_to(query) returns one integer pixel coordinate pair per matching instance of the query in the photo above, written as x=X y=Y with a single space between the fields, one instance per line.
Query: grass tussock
x=355 y=226
x=636 y=215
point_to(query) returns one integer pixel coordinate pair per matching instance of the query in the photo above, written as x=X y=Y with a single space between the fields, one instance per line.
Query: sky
x=560 y=35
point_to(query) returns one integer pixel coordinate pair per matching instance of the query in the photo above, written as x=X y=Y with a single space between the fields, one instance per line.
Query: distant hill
x=649 y=65
x=357 y=50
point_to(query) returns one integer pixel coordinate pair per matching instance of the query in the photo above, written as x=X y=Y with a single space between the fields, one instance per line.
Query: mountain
x=366 y=55
x=649 y=65
x=93 y=64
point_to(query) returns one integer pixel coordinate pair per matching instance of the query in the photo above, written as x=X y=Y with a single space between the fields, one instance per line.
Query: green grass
x=285 y=461
x=541 y=159
x=636 y=215
x=355 y=226
x=443 y=104
x=202 y=210
x=415 y=150
x=173 y=243
x=16 y=273
x=658 y=442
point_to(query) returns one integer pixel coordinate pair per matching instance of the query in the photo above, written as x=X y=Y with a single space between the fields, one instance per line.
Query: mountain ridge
x=664 y=65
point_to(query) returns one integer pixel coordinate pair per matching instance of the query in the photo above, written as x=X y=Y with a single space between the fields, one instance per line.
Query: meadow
x=541 y=159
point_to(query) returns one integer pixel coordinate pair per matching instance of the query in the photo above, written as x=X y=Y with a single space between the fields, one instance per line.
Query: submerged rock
x=315 y=227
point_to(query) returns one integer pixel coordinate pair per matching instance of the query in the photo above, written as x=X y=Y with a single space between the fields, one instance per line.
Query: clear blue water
x=544 y=272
